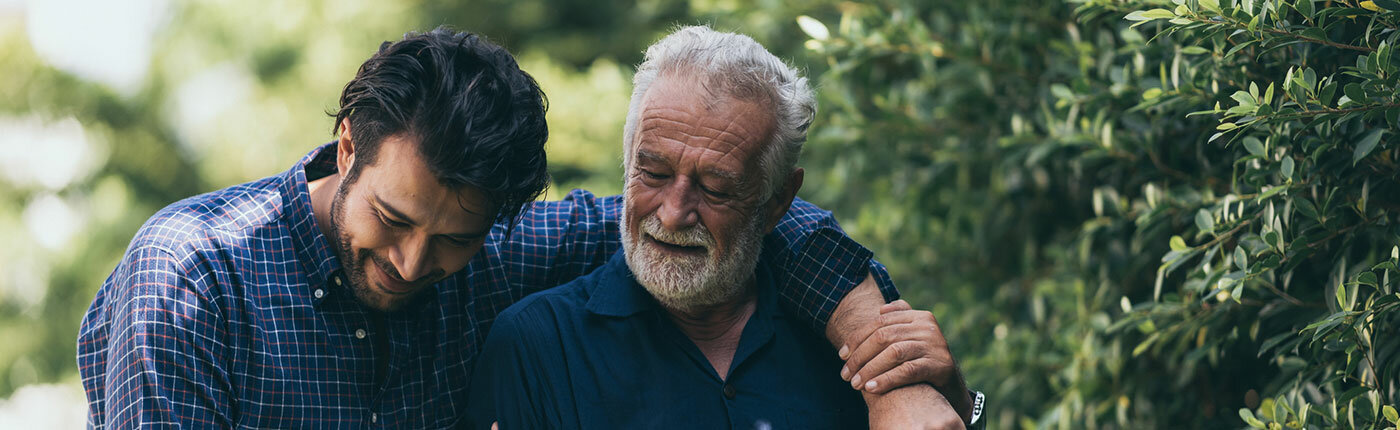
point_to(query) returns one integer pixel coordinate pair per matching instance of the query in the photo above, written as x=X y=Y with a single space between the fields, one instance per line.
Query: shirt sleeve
x=817 y=263
x=164 y=366
x=556 y=241
x=510 y=384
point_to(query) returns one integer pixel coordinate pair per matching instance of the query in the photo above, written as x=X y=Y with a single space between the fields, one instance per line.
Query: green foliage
x=1163 y=212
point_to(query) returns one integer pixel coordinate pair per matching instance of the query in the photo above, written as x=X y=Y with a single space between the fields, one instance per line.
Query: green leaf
x=1389 y=410
x=1342 y=297
x=1368 y=278
x=1178 y=244
x=1366 y=145
x=1244 y=98
x=1389 y=5
x=1354 y=92
x=1194 y=50
x=1225 y=126
x=1242 y=258
x=1143 y=16
x=1254 y=146
x=1305 y=7
x=1249 y=418
x=1205 y=221
x=1306 y=207
x=1210 y=5
x=1286 y=167
x=1159 y=14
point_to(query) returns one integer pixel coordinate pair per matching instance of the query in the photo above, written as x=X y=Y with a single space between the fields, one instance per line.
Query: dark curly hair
x=478 y=120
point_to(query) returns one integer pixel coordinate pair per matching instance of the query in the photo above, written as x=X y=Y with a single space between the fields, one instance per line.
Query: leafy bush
x=1144 y=214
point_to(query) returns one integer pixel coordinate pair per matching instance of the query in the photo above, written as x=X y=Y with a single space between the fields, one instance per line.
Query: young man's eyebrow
x=392 y=211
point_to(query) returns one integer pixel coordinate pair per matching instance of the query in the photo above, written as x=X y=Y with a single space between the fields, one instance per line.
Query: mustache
x=697 y=235
x=388 y=269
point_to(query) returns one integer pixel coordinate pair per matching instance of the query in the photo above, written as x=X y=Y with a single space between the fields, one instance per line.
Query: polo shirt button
x=729 y=391
x=319 y=293
x=360 y=333
x=336 y=279
x=374 y=418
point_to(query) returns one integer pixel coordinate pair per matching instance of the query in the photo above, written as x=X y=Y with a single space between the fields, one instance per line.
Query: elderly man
x=681 y=329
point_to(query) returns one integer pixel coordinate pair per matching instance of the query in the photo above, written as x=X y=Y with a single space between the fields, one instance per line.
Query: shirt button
x=729 y=391
x=336 y=279
x=374 y=418
x=360 y=333
x=319 y=293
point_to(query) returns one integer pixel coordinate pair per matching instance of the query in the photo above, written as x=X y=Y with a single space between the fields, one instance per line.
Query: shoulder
x=545 y=312
x=239 y=207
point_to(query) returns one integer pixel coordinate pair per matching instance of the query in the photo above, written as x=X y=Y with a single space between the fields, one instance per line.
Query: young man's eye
x=459 y=243
x=390 y=222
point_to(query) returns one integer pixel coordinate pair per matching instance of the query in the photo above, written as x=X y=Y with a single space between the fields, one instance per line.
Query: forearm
x=911 y=405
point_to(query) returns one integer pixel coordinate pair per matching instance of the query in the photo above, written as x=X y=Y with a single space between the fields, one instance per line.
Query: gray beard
x=686 y=284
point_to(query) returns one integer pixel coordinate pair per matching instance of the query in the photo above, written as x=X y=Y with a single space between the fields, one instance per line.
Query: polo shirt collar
x=616 y=292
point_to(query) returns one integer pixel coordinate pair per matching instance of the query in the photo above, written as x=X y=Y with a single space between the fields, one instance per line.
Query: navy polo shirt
x=600 y=352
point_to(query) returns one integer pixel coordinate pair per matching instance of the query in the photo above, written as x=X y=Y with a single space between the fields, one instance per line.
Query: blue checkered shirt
x=229 y=310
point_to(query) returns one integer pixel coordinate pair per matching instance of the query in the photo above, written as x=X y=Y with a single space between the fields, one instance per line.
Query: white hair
x=736 y=66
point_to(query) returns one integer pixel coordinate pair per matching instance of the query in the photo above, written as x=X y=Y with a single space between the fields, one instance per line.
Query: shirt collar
x=312 y=248
x=616 y=293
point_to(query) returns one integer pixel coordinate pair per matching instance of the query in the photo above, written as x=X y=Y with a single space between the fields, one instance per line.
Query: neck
x=716 y=329
x=322 y=195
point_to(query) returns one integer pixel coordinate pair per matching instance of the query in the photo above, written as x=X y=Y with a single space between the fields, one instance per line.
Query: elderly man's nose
x=677 y=210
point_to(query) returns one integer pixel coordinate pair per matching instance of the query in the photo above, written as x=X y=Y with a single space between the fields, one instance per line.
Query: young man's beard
x=352 y=265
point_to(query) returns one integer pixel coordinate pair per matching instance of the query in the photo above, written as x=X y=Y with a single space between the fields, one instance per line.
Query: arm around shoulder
x=165 y=355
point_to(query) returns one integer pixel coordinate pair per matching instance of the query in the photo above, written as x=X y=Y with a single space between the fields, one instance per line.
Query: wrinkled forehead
x=683 y=110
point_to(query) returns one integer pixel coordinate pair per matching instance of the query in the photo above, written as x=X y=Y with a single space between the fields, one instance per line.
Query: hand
x=916 y=406
x=906 y=347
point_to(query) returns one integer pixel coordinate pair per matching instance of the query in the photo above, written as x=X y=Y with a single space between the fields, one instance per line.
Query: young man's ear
x=783 y=200
x=345 y=149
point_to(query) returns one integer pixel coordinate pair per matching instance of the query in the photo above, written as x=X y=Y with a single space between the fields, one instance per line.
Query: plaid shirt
x=229 y=309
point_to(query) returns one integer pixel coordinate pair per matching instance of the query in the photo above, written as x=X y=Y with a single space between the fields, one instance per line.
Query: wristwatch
x=979 y=403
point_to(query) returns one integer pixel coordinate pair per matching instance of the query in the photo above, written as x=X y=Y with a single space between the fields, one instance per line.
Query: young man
x=356 y=287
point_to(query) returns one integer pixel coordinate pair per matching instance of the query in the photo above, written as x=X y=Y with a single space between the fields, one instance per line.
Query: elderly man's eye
x=714 y=193
x=653 y=175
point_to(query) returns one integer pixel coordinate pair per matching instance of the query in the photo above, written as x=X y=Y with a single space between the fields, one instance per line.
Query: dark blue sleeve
x=510 y=384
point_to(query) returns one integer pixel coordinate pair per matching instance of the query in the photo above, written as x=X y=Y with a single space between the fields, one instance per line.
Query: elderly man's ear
x=783 y=200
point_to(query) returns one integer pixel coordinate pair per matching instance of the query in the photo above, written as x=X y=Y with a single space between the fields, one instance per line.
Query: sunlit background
x=111 y=109
x=1022 y=166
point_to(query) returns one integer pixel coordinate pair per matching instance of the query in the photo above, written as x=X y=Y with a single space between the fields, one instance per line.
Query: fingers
x=867 y=378
x=895 y=306
x=893 y=327
x=875 y=342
